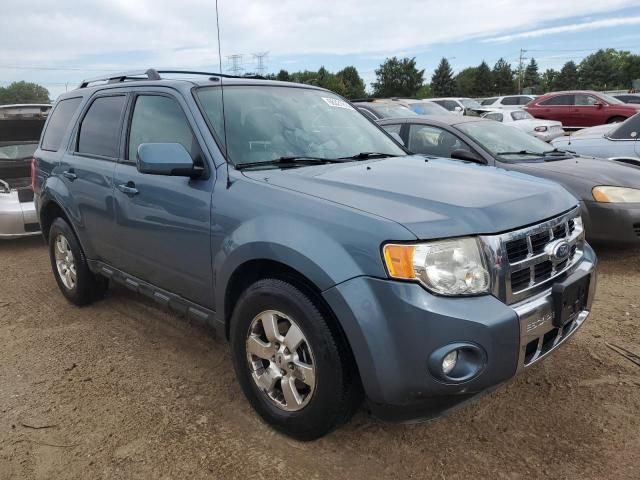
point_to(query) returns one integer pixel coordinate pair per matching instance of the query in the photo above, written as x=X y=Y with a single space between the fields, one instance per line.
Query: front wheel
x=70 y=269
x=293 y=366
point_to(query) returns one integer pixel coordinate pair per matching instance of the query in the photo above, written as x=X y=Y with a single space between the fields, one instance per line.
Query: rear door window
x=58 y=123
x=160 y=119
x=585 y=100
x=510 y=101
x=434 y=141
x=558 y=100
x=100 y=129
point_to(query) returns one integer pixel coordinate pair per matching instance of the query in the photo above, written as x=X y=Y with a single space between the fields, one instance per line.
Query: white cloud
x=570 y=28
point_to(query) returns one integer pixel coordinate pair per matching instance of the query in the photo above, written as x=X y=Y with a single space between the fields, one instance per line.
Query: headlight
x=540 y=129
x=446 y=267
x=606 y=194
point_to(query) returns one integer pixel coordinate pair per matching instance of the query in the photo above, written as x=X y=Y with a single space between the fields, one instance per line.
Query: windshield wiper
x=522 y=152
x=289 y=161
x=367 y=155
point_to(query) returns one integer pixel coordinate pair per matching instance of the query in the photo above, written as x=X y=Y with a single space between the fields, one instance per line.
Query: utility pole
x=520 y=66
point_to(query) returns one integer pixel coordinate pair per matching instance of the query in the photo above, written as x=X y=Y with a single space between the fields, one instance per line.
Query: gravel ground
x=121 y=389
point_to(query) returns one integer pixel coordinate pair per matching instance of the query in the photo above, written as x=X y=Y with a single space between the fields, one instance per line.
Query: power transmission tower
x=236 y=64
x=520 y=67
x=261 y=67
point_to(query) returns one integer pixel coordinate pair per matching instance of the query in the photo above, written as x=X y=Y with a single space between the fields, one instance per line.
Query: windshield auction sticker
x=336 y=102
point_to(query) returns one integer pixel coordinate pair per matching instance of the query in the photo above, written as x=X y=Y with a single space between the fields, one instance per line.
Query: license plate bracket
x=569 y=298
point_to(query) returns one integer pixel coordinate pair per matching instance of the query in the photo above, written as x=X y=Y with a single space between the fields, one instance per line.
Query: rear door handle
x=128 y=188
x=70 y=174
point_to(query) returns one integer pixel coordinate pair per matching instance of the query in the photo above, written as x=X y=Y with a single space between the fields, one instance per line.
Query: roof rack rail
x=153 y=74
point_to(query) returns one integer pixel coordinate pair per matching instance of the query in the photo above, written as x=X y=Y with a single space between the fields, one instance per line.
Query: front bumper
x=17 y=219
x=612 y=223
x=394 y=328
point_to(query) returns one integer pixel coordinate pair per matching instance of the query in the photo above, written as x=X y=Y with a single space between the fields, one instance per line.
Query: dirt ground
x=122 y=389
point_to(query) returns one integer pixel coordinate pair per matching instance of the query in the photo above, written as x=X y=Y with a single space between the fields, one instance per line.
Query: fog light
x=449 y=362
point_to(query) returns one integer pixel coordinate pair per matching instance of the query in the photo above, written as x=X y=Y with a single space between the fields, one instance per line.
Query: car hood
x=597 y=171
x=594 y=132
x=432 y=198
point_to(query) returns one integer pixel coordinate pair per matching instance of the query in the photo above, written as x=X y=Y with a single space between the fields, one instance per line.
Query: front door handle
x=70 y=174
x=128 y=188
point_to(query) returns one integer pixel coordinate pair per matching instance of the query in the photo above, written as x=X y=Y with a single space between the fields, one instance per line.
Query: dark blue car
x=338 y=266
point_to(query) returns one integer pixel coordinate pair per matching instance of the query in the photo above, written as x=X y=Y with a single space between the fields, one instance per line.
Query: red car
x=577 y=109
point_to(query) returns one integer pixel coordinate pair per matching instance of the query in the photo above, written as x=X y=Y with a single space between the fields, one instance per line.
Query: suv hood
x=432 y=198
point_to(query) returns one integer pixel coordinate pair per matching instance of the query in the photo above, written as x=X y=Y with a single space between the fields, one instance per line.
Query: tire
x=616 y=119
x=326 y=398
x=79 y=285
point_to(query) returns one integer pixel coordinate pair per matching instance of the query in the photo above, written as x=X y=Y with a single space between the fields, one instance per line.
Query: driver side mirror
x=468 y=156
x=165 y=159
x=598 y=105
x=457 y=109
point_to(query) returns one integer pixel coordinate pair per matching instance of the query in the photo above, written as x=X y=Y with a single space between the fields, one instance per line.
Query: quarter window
x=159 y=119
x=58 y=123
x=100 y=128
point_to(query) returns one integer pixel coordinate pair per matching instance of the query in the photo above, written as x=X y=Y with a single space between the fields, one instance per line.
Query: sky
x=59 y=43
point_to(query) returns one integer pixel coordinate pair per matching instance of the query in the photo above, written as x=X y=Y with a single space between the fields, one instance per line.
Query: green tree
x=283 y=76
x=424 y=91
x=330 y=81
x=442 y=83
x=547 y=80
x=567 y=79
x=483 y=82
x=353 y=84
x=398 y=78
x=502 y=78
x=465 y=81
x=531 y=75
x=600 y=71
x=24 y=92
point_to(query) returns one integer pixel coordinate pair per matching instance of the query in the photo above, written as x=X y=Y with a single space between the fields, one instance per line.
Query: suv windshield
x=610 y=100
x=504 y=142
x=265 y=123
x=18 y=151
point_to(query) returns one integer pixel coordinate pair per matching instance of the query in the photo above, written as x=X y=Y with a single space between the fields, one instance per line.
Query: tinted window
x=524 y=100
x=100 y=128
x=393 y=128
x=158 y=119
x=60 y=118
x=510 y=101
x=627 y=129
x=558 y=100
x=434 y=141
x=494 y=116
x=488 y=101
x=585 y=100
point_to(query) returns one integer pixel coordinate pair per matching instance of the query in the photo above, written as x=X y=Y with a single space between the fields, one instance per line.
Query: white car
x=508 y=102
x=546 y=130
x=460 y=105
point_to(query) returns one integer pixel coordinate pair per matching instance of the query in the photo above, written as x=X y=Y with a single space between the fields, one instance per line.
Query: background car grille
x=530 y=264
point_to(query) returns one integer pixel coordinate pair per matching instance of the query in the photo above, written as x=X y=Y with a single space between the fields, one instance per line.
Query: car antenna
x=224 y=117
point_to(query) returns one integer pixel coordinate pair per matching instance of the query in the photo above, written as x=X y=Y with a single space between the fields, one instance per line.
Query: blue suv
x=338 y=266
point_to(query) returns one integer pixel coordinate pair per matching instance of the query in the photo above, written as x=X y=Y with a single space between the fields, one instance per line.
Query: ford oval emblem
x=560 y=251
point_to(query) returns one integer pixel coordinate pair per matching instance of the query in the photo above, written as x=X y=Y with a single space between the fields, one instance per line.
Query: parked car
x=422 y=107
x=335 y=263
x=20 y=128
x=377 y=109
x=617 y=142
x=507 y=102
x=610 y=192
x=545 y=130
x=460 y=105
x=628 y=97
x=577 y=109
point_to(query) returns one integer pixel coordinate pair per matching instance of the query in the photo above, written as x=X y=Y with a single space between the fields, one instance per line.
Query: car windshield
x=267 y=123
x=392 y=111
x=428 y=108
x=521 y=115
x=18 y=151
x=468 y=103
x=627 y=130
x=504 y=142
x=610 y=99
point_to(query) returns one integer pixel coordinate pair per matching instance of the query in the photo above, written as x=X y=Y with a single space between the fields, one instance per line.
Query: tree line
x=23 y=92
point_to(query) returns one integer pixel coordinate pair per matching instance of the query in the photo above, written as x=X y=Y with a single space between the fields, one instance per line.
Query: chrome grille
x=524 y=260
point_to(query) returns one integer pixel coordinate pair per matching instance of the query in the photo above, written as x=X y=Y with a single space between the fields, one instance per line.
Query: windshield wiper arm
x=522 y=152
x=289 y=161
x=366 y=155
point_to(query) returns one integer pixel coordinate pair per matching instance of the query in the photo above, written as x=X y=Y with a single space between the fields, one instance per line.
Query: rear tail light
x=33 y=174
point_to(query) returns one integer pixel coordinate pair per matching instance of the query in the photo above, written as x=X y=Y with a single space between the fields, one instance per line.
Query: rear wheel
x=294 y=368
x=616 y=120
x=70 y=269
